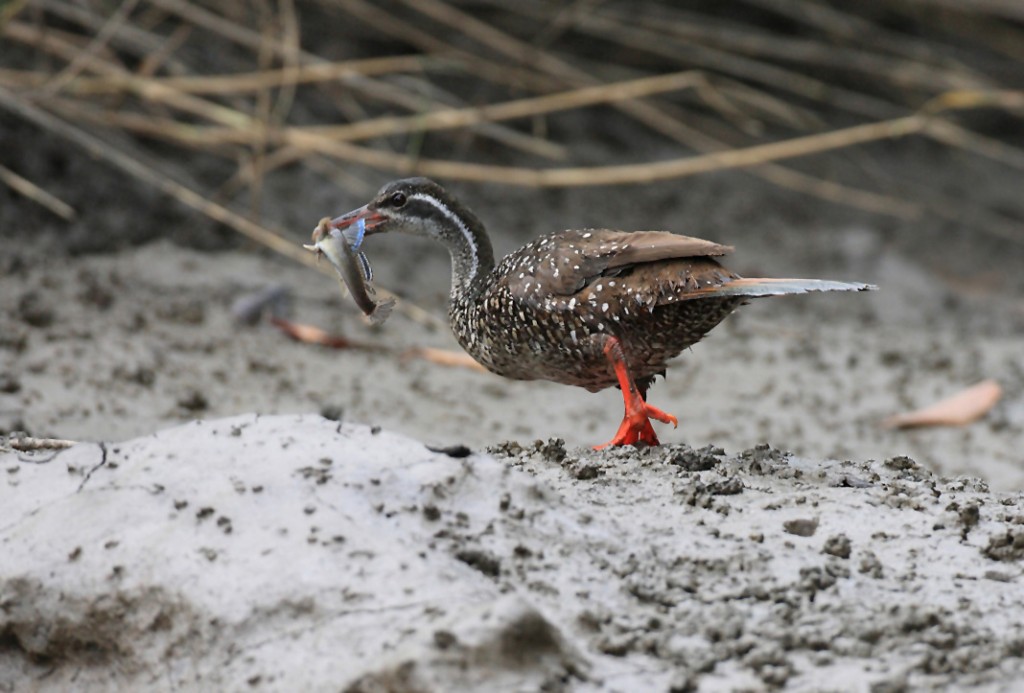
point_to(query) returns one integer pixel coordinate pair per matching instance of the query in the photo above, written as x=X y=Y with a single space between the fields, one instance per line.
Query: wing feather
x=564 y=264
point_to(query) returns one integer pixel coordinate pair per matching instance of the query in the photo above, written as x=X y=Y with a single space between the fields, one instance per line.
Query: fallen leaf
x=444 y=357
x=960 y=409
x=311 y=334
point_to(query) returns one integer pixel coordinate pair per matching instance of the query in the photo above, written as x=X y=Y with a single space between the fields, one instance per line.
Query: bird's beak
x=351 y=227
x=370 y=219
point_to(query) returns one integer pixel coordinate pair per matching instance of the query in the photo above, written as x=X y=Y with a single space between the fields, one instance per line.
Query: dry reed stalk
x=561 y=177
x=130 y=37
x=144 y=88
x=906 y=73
x=551 y=177
x=768 y=75
x=287 y=155
x=473 y=63
x=654 y=118
x=241 y=83
x=647 y=113
x=33 y=192
x=846 y=26
x=521 y=108
x=538 y=69
x=956 y=136
x=162 y=54
x=10 y=10
x=995 y=35
x=1007 y=9
x=386 y=93
x=22 y=79
x=98 y=43
x=566 y=177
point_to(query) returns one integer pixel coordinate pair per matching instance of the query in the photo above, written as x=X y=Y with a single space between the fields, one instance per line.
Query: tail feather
x=757 y=286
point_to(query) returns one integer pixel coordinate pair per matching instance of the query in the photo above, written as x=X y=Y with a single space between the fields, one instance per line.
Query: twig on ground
x=30 y=444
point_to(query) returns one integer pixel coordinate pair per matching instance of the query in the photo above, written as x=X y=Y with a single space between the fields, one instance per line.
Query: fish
x=353 y=267
x=355 y=234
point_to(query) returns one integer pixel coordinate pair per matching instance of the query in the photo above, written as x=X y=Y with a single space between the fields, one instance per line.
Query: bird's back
x=546 y=307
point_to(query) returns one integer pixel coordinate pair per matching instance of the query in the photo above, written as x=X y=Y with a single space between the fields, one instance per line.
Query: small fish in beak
x=355 y=238
x=353 y=268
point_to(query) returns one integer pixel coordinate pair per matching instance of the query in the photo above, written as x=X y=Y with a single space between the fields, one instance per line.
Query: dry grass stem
x=754 y=95
x=614 y=175
x=522 y=108
x=30 y=444
x=645 y=112
x=98 y=43
x=30 y=190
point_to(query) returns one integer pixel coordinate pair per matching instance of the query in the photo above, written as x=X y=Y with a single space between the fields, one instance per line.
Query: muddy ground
x=119 y=325
x=294 y=553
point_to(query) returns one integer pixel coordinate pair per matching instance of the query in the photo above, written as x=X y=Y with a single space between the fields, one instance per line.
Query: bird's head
x=417 y=206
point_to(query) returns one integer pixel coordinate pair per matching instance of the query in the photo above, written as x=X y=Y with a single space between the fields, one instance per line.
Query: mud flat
x=295 y=552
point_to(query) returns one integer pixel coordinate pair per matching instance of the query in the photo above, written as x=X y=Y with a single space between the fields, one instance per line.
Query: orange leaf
x=960 y=409
x=310 y=334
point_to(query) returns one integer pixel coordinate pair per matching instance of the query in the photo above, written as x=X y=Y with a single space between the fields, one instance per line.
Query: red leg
x=636 y=423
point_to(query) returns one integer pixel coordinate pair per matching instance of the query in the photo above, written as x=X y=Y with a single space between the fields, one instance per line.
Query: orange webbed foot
x=636 y=427
x=636 y=424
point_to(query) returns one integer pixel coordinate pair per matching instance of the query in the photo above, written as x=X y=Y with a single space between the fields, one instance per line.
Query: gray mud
x=363 y=559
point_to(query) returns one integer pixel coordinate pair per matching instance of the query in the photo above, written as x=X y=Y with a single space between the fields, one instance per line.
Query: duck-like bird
x=592 y=308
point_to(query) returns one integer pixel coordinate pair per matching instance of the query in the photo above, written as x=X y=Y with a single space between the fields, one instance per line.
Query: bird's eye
x=398 y=199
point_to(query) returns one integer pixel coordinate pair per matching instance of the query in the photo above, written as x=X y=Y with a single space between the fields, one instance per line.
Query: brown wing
x=563 y=264
x=647 y=246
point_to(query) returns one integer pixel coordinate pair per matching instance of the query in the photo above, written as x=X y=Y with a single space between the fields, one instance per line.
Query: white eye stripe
x=454 y=218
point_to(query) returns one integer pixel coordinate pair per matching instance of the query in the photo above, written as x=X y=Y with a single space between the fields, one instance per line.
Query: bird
x=593 y=308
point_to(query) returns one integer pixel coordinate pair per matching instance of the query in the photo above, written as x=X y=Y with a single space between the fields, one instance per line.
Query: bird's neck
x=472 y=262
x=469 y=245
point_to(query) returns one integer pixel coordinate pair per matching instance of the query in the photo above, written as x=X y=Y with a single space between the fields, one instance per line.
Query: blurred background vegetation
x=230 y=107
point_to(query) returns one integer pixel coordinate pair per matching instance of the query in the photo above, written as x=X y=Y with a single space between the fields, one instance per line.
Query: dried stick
x=473 y=62
x=643 y=111
x=10 y=10
x=956 y=136
x=30 y=444
x=906 y=73
x=145 y=88
x=246 y=37
x=371 y=88
x=1007 y=9
x=36 y=194
x=129 y=37
x=552 y=177
x=255 y=81
x=520 y=108
x=706 y=57
x=99 y=42
x=162 y=91
x=848 y=26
